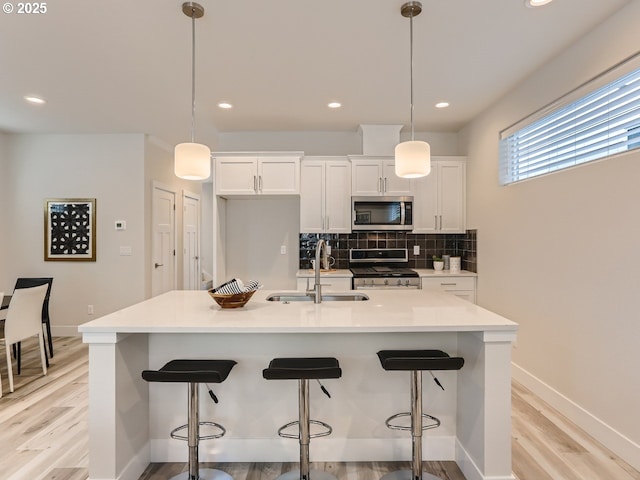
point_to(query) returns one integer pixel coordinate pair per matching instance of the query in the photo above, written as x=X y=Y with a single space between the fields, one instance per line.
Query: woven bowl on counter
x=235 y=300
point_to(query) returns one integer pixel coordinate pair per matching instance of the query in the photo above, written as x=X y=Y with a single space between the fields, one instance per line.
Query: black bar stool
x=304 y=369
x=194 y=372
x=415 y=361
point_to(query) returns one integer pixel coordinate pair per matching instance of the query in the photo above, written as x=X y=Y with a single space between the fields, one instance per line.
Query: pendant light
x=413 y=158
x=192 y=161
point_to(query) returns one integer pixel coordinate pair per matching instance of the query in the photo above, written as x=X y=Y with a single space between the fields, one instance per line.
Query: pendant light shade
x=192 y=161
x=412 y=158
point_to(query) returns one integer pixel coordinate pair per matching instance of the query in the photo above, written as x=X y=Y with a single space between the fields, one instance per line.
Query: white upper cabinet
x=440 y=197
x=325 y=195
x=257 y=175
x=376 y=176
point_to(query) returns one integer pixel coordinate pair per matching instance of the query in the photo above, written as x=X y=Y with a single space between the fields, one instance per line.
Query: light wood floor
x=43 y=434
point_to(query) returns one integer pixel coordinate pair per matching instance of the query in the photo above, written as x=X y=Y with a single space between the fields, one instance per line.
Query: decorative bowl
x=235 y=300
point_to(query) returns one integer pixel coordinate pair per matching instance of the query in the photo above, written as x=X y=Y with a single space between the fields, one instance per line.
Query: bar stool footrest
x=323 y=433
x=392 y=426
x=175 y=436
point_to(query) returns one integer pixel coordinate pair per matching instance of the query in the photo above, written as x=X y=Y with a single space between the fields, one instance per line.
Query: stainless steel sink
x=308 y=297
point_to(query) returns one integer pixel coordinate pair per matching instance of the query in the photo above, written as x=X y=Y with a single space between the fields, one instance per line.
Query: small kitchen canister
x=454 y=264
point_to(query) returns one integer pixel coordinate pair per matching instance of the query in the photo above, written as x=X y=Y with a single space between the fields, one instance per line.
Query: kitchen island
x=130 y=420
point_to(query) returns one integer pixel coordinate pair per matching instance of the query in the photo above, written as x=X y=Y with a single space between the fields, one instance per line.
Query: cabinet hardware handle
x=255 y=184
x=385 y=184
x=158 y=265
x=448 y=284
x=440 y=222
x=436 y=222
x=327 y=227
x=380 y=184
x=260 y=182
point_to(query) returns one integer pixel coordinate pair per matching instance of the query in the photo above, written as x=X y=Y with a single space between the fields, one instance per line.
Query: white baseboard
x=321 y=450
x=471 y=470
x=134 y=469
x=615 y=441
x=64 y=331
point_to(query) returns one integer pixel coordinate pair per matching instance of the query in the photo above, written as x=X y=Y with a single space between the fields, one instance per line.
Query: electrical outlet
x=283 y=249
x=416 y=249
x=90 y=309
x=328 y=249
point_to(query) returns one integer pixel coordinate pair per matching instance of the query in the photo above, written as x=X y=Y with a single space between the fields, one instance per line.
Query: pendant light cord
x=193 y=75
x=411 y=67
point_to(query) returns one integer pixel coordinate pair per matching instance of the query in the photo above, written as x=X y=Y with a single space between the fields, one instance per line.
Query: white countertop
x=386 y=311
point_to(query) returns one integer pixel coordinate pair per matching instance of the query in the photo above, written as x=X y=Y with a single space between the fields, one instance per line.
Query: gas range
x=382 y=268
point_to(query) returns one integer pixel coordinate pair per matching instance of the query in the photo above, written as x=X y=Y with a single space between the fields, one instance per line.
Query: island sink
x=286 y=297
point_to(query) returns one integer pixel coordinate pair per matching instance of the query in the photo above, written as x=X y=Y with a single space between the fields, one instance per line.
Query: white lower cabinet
x=463 y=287
x=329 y=283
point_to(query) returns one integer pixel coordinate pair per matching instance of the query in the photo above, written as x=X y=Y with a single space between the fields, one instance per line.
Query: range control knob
x=386 y=281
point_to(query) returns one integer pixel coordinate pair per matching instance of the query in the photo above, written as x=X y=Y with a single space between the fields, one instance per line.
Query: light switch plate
x=416 y=249
x=283 y=249
x=126 y=251
x=121 y=225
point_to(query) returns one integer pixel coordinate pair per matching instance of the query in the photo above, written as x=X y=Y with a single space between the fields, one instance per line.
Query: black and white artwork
x=70 y=229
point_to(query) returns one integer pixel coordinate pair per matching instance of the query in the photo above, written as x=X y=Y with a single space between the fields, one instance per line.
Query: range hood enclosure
x=379 y=140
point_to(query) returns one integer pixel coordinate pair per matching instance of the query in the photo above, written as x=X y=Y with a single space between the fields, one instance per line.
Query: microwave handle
x=402 y=213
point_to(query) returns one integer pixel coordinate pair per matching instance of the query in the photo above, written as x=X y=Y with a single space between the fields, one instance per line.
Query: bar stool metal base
x=204 y=474
x=407 y=475
x=313 y=475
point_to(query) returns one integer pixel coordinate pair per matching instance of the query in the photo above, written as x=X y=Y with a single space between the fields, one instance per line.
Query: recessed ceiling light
x=442 y=105
x=334 y=105
x=35 y=100
x=536 y=3
x=225 y=105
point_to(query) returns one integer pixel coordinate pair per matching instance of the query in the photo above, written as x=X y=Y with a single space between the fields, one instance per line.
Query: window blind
x=601 y=123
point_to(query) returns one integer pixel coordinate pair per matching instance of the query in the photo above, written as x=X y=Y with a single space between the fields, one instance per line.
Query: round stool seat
x=409 y=360
x=302 y=368
x=196 y=371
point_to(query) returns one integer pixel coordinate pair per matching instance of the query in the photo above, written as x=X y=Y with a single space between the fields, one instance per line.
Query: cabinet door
x=425 y=202
x=392 y=184
x=452 y=198
x=337 y=199
x=312 y=187
x=236 y=175
x=279 y=175
x=366 y=177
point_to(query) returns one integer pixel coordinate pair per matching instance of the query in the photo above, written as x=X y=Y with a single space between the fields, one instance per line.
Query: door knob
x=158 y=265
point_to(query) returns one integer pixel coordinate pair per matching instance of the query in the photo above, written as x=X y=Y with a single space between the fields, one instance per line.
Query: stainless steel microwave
x=382 y=213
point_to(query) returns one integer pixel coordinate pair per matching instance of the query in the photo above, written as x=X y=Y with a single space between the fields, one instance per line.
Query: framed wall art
x=70 y=229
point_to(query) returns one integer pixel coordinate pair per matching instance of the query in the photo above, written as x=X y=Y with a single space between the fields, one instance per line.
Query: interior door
x=163 y=269
x=191 y=241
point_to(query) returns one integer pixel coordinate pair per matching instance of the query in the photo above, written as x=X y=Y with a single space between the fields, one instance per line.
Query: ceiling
x=125 y=67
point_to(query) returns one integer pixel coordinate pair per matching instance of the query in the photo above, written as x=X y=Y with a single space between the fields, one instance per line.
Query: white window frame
x=597 y=120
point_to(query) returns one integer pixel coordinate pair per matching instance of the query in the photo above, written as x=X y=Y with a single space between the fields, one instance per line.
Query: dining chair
x=24 y=320
x=27 y=282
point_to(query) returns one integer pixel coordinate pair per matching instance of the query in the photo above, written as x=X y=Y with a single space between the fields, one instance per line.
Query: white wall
x=324 y=143
x=255 y=231
x=108 y=168
x=158 y=167
x=557 y=253
x=3 y=203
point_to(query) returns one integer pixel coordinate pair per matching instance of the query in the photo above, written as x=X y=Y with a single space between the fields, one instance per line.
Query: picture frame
x=70 y=229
